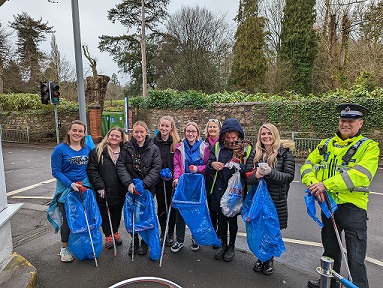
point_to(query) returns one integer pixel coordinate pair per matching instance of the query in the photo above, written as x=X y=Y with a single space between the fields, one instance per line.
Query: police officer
x=344 y=166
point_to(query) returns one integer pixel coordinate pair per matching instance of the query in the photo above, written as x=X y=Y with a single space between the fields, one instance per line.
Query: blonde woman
x=102 y=174
x=166 y=140
x=273 y=161
x=139 y=158
x=213 y=126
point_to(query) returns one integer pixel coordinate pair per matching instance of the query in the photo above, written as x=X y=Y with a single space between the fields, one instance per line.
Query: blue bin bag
x=262 y=224
x=145 y=220
x=311 y=210
x=81 y=247
x=190 y=200
x=79 y=243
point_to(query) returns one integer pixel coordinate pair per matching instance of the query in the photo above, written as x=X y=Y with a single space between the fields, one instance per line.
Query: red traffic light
x=55 y=92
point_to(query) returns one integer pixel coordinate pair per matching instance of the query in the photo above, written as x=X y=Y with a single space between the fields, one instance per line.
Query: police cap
x=352 y=111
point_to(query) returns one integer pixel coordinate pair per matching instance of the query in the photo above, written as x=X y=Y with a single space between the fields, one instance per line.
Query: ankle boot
x=229 y=255
x=268 y=267
x=219 y=255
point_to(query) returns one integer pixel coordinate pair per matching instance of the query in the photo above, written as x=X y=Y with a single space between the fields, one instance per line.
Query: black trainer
x=169 y=241
x=268 y=267
x=258 y=266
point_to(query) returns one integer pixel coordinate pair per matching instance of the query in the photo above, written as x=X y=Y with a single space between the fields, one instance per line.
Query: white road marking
x=32 y=197
x=316 y=244
x=14 y=192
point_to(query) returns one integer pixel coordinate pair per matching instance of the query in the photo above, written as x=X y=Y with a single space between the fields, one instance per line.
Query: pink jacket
x=179 y=159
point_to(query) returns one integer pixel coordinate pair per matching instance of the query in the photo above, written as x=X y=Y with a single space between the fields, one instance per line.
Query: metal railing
x=14 y=134
x=305 y=142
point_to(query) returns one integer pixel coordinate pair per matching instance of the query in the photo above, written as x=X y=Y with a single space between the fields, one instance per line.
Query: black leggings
x=223 y=222
x=161 y=207
x=64 y=229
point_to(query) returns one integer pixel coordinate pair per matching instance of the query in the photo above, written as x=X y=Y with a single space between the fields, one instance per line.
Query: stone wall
x=244 y=112
x=42 y=126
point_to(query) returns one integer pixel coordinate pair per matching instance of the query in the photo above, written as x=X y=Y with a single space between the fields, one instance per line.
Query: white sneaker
x=194 y=246
x=65 y=255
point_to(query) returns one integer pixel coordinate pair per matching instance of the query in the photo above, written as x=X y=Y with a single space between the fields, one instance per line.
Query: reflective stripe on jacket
x=346 y=182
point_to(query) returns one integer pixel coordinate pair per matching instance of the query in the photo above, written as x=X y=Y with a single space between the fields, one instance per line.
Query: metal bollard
x=327 y=265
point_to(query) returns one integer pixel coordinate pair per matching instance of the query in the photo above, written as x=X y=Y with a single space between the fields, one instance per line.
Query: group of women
x=110 y=168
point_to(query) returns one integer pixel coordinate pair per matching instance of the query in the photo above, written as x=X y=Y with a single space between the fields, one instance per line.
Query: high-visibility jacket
x=346 y=181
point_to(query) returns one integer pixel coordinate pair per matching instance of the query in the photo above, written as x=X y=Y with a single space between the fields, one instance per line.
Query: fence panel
x=15 y=134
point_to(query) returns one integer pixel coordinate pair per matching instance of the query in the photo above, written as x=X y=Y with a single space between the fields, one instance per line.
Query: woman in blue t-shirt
x=69 y=161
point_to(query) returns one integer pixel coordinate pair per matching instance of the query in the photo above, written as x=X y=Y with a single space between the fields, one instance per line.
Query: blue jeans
x=353 y=221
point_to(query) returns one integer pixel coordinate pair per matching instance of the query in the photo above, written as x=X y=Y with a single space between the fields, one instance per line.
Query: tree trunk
x=1 y=78
x=96 y=90
x=143 y=51
x=333 y=51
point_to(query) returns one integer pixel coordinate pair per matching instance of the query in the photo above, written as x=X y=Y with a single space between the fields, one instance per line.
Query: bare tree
x=194 y=51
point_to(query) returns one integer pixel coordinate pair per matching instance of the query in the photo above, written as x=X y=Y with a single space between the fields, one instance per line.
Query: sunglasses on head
x=215 y=121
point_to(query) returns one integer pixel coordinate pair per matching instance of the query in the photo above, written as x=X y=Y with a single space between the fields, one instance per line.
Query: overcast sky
x=93 y=23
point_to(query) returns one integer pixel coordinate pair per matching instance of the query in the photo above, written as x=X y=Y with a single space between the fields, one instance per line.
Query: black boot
x=313 y=284
x=136 y=245
x=258 y=266
x=143 y=249
x=230 y=253
x=268 y=267
x=221 y=252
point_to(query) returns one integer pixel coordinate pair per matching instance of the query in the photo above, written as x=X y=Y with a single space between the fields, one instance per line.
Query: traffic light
x=44 y=90
x=55 y=92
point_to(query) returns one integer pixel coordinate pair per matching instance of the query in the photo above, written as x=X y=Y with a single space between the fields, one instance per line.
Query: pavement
x=36 y=263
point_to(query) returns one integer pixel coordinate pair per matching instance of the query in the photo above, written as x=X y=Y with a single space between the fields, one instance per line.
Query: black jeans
x=115 y=216
x=353 y=221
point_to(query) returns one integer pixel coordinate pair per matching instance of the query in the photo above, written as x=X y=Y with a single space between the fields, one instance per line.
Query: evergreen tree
x=129 y=51
x=250 y=63
x=299 y=43
x=30 y=33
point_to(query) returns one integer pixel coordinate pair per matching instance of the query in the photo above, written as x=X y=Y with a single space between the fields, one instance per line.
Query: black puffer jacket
x=166 y=154
x=150 y=163
x=278 y=181
x=104 y=176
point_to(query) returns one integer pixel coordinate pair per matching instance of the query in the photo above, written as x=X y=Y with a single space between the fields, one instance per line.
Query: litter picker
x=338 y=236
x=83 y=189
x=166 y=228
x=111 y=227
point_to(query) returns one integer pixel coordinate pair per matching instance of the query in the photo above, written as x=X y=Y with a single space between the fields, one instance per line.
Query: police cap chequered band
x=215 y=121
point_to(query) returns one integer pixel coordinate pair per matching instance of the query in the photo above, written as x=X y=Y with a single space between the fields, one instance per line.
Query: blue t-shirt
x=68 y=165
